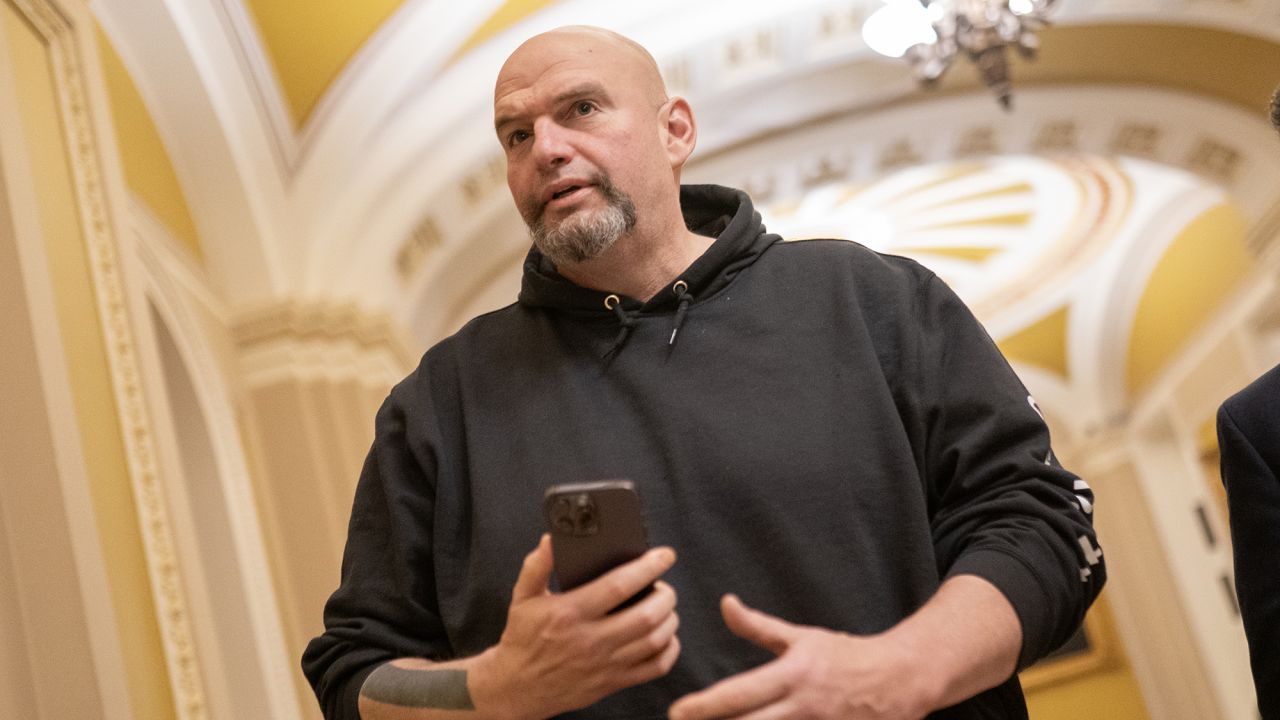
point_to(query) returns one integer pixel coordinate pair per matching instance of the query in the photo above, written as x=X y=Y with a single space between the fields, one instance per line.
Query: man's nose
x=551 y=146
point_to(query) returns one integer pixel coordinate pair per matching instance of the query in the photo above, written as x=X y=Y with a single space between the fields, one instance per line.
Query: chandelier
x=931 y=33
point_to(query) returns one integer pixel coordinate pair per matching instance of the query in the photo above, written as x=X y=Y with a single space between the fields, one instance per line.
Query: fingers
x=654 y=667
x=641 y=618
x=780 y=710
x=742 y=693
x=650 y=643
x=535 y=573
x=767 y=631
x=609 y=590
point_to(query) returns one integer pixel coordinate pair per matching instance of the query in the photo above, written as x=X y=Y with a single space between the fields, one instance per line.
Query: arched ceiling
x=308 y=43
x=342 y=151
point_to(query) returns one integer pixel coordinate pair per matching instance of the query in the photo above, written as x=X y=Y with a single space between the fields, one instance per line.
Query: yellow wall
x=1201 y=267
x=1113 y=695
x=147 y=167
x=1104 y=687
x=310 y=41
x=90 y=379
x=1042 y=344
x=511 y=12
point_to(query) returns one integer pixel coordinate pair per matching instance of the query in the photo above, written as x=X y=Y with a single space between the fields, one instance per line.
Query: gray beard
x=587 y=233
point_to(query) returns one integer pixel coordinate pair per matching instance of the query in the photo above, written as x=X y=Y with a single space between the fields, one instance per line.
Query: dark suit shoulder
x=1254 y=415
x=1257 y=404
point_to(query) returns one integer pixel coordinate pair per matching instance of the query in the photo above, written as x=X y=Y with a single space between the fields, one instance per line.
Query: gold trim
x=1018 y=188
x=1009 y=219
x=965 y=253
x=956 y=171
x=173 y=617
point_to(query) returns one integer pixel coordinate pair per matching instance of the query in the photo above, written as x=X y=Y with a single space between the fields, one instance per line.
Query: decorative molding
x=293 y=320
x=119 y=342
x=1203 y=136
x=416 y=249
x=1056 y=136
x=1139 y=139
x=1214 y=159
x=481 y=182
x=179 y=296
x=267 y=93
x=157 y=245
x=977 y=142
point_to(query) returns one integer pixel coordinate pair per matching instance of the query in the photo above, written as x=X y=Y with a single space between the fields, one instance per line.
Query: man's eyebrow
x=577 y=91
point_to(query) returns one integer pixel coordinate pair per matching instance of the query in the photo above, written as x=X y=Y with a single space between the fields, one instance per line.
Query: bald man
x=869 y=518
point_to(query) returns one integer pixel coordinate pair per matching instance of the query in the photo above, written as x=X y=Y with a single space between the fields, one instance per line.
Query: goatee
x=585 y=234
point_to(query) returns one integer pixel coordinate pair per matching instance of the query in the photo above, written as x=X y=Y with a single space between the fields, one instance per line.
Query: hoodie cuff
x=1018 y=581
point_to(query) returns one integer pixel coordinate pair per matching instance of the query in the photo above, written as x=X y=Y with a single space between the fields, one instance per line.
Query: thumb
x=535 y=573
x=773 y=634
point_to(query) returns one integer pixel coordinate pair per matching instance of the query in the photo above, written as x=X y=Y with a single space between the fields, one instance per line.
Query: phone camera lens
x=584 y=516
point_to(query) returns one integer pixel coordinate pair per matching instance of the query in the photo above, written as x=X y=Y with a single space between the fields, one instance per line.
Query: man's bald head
x=594 y=146
x=599 y=44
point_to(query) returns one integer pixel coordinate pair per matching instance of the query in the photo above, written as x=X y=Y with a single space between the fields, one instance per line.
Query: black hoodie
x=829 y=434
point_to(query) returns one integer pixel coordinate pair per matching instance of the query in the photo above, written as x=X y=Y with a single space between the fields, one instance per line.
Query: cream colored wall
x=312 y=379
x=37 y=556
x=134 y=581
x=46 y=156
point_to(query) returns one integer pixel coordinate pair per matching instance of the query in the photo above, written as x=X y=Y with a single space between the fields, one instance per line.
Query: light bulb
x=897 y=26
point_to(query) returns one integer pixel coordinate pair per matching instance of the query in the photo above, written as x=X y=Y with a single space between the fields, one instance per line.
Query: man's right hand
x=564 y=651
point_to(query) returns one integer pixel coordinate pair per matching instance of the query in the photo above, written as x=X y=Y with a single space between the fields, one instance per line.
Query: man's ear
x=681 y=132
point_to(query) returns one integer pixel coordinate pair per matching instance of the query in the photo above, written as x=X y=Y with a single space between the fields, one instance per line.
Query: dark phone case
x=594 y=528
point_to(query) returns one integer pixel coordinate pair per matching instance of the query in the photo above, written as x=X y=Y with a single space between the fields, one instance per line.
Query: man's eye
x=516 y=138
x=584 y=107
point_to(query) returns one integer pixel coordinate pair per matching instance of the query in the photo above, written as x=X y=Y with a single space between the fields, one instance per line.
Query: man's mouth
x=565 y=191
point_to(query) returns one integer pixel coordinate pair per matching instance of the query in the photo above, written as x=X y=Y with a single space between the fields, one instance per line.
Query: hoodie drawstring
x=681 y=289
x=627 y=321
x=625 y=324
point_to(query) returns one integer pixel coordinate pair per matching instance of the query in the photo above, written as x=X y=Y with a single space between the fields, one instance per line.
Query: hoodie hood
x=723 y=213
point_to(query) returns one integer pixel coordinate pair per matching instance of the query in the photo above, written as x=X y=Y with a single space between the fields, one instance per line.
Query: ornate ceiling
x=336 y=152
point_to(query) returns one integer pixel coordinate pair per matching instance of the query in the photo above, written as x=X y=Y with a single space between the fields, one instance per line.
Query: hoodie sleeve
x=385 y=606
x=1001 y=506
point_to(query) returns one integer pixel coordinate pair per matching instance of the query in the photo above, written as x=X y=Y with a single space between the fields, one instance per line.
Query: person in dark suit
x=1249 y=439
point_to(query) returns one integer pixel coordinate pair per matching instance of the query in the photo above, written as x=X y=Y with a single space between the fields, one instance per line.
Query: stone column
x=313 y=377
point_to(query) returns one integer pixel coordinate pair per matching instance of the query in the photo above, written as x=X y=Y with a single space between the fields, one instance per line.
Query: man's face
x=577 y=116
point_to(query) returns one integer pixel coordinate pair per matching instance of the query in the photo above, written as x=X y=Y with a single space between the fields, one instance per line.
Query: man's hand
x=964 y=640
x=817 y=674
x=561 y=652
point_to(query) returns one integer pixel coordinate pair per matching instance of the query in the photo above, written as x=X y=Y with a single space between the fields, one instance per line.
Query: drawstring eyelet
x=681 y=290
x=625 y=323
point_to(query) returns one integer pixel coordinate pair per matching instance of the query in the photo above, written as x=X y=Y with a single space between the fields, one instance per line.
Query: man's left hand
x=818 y=674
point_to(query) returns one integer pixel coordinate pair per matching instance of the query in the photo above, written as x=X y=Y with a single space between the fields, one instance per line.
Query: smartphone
x=594 y=528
